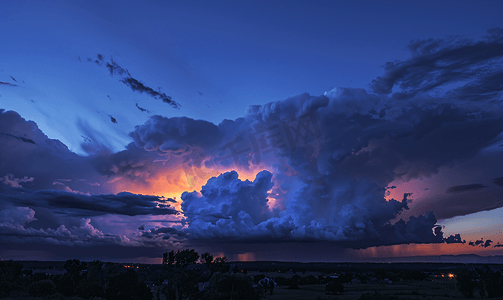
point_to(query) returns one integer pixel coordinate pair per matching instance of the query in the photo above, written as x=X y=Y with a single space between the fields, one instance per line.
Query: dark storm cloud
x=133 y=164
x=245 y=203
x=330 y=157
x=481 y=243
x=26 y=151
x=465 y=187
x=498 y=181
x=28 y=170
x=454 y=239
x=175 y=135
x=334 y=181
x=91 y=205
x=135 y=85
x=474 y=65
x=333 y=156
x=31 y=163
x=460 y=204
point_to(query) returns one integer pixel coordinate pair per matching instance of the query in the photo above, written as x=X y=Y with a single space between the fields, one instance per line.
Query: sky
x=258 y=130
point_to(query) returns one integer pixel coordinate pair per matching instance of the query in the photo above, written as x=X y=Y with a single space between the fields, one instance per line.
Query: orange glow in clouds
x=171 y=183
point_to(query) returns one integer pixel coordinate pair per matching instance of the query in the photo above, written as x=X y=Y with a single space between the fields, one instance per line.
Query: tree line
x=177 y=278
x=93 y=280
x=182 y=281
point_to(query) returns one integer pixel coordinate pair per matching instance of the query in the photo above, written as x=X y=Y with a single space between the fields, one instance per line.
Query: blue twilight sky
x=235 y=53
x=93 y=75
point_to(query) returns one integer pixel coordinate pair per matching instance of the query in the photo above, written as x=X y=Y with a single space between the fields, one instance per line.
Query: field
x=410 y=290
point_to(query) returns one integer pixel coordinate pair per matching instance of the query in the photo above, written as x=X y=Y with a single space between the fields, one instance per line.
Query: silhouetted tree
x=182 y=283
x=231 y=286
x=186 y=257
x=10 y=277
x=235 y=269
x=334 y=287
x=490 y=282
x=92 y=282
x=42 y=288
x=168 y=258
x=165 y=258
x=74 y=269
x=207 y=258
x=466 y=284
x=126 y=286
x=110 y=272
x=220 y=265
x=294 y=282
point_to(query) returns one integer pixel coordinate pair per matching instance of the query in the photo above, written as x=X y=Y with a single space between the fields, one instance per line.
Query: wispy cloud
x=7 y=83
x=465 y=187
x=472 y=67
x=136 y=85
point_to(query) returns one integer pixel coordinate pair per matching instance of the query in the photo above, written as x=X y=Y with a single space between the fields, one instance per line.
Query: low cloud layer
x=71 y=203
x=14 y=229
x=465 y=187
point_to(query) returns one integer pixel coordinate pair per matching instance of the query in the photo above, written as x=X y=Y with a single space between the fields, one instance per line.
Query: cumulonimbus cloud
x=334 y=154
x=325 y=161
x=249 y=219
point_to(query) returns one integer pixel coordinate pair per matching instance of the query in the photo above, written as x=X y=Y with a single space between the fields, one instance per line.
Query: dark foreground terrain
x=187 y=275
